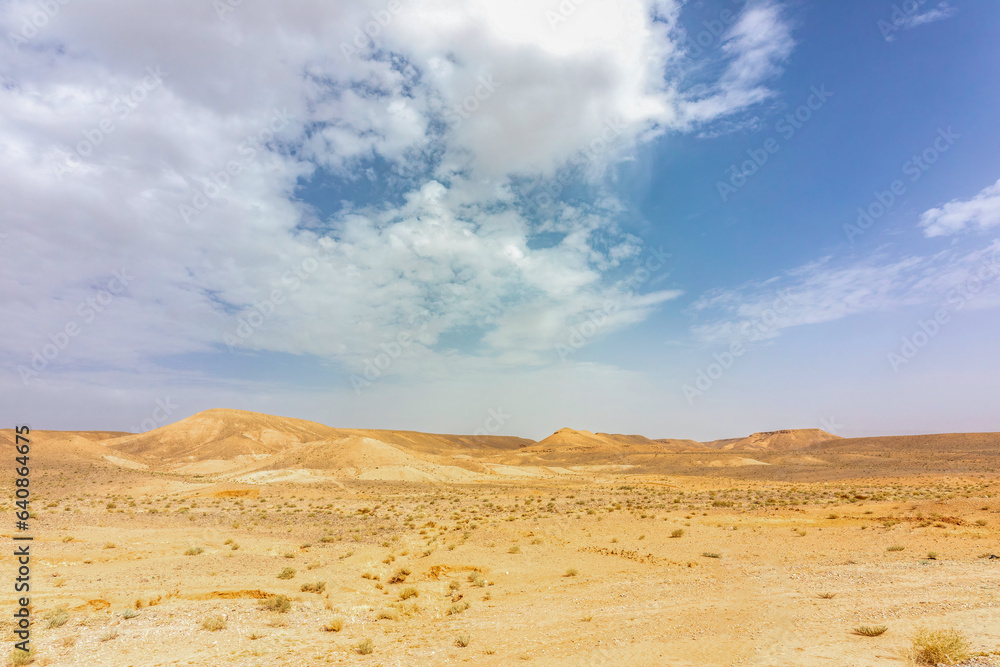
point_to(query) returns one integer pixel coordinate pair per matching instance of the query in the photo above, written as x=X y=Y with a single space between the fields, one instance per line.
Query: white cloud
x=89 y=188
x=757 y=45
x=939 y=13
x=908 y=16
x=825 y=291
x=982 y=211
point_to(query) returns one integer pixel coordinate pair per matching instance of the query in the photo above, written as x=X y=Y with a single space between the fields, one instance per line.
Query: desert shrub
x=679 y=532
x=462 y=640
x=514 y=550
x=389 y=614
x=193 y=551
x=711 y=554
x=317 y=587
x=57 y=617
x=931 y=647
x=365 y=647
x=19 y=657
x=336 y=624
x=870 y=630
x=572 y=572
x=827 y=596
x=457 y=608
x=129 y=613
x=277 y=603
x=408 y=592
x=213 y=623
x=895 y=547
x=399 y=576
x=287 y=573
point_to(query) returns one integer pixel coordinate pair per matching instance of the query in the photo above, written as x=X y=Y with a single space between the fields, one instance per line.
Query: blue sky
x=627 y=216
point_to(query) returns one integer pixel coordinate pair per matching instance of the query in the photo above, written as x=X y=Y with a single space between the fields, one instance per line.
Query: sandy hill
x=62 y=447
x=986 y=443
x=775 y=441
x=572 y=446
x=436 y=443
x=681 y=444
x=222 y=434
x=570 y=440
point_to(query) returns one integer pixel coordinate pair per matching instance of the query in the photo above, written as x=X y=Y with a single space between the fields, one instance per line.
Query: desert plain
x=237 y=538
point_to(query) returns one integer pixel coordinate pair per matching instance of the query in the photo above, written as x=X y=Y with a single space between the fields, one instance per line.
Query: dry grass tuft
x=399 y=576
x=931 y=647
x=870 y=630
x=317 y=587
x=213 y=624
x=277 y=603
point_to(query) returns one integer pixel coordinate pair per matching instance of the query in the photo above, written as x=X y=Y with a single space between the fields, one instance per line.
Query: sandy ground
x=561 y=569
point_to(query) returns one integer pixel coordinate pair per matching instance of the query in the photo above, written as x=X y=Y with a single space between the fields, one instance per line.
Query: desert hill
x=222 y=434
x=437 y=443
x=774 y=441
x=987 y=443
x=570 y=440
x=243 y=446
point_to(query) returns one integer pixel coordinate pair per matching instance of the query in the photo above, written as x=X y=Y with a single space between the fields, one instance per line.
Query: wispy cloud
x=907 y=16
x=756 y=47
x=939 y=13
x=827 y=290
x=982 y=211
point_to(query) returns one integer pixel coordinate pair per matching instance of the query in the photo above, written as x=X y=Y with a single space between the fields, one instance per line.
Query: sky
x=686 y=219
